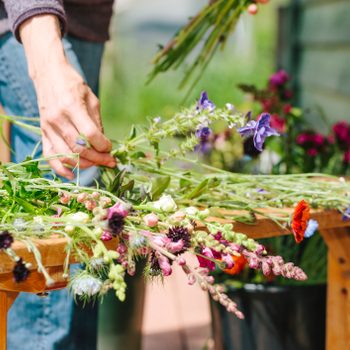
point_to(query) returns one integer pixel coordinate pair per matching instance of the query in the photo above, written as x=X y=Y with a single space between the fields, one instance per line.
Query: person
x=50 y=57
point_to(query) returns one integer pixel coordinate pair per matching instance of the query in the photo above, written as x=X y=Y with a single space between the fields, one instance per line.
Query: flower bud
x=106 y=236
x=90 y=204
x=178 y=216
x=253 y=9
x=95 y=195
x=181 y=261
x=81 y=197
x=151 y=220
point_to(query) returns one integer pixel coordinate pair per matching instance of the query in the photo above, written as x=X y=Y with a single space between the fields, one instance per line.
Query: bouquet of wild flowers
x=157 y=211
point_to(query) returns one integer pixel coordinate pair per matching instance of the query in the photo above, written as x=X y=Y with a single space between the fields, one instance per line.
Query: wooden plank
x=338 y=293
x=328 y=23
x=36 y=282
x=53 y=253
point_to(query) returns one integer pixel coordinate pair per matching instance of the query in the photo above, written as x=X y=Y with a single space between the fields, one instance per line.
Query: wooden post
x=6 y=301
x=338 y=292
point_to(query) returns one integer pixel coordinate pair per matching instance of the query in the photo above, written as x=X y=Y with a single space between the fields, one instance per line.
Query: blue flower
x=204 y=103
x=346 y=214
x=259 y=129
x=311 y=228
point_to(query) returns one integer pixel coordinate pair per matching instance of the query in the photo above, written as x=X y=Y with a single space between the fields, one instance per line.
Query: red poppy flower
x=239 y=263
x=300 y=219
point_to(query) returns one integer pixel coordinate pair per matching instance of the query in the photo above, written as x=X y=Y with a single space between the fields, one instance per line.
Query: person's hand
x=68 y=108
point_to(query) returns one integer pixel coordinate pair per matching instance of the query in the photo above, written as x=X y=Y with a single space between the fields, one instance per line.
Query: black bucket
x=276 y=318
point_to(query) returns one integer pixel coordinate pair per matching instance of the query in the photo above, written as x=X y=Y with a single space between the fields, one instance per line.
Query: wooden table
x=335 y=232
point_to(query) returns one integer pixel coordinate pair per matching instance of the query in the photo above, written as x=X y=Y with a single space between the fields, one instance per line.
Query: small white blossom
x=191 y=210
x=165 y=203
x=79 y=217
x=86 y=285
x=19 y=224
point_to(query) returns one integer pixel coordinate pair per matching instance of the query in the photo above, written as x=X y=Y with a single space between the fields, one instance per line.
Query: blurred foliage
x=126 y=99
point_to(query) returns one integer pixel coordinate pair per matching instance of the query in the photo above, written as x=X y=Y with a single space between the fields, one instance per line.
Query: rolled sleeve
x=19 y=11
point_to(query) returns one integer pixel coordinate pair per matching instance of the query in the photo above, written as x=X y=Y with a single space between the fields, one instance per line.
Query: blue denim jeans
x=54 y=322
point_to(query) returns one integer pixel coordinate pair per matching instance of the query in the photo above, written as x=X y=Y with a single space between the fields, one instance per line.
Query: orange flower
x=239 y=264
x=300 y=219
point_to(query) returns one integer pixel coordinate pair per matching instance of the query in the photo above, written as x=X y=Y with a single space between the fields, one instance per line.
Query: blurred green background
x=136 y=31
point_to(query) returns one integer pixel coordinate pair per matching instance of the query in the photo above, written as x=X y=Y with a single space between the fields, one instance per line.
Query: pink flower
x=303 y=138
x=106 y=236
x=312 y=152
x=279 y=78
x=118 y=208
x=319 y=139
x=151 y=220
x=164 y=264
x=211 y=254
x=227 y=259
x=287 y=108
x=175 y=247
x=346 y=158
x=278 y=123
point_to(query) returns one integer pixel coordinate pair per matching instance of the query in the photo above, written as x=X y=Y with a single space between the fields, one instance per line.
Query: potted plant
x=300 y=321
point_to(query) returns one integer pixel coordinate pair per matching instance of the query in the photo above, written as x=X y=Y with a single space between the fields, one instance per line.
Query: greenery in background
x=126 y=99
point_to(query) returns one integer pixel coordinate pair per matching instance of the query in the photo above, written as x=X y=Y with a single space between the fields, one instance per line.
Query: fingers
x=56 y=164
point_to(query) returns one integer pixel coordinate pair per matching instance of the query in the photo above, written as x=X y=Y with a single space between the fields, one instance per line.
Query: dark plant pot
x=276 y=318
x=120 y=323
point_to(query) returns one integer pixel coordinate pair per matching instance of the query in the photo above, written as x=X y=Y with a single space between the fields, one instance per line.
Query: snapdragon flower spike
x=259 y=129
x=274 y=265
x=204 y=103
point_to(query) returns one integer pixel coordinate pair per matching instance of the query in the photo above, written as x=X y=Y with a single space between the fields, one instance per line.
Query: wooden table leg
x=6 y=301
x=338 y=292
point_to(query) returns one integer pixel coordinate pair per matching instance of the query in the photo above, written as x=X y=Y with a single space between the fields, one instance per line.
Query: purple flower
x=311 y=228
x=210 y=254
x=260 y=129
x=204 y=103
x=6 y=240
x=346 y=215
x=203 y=133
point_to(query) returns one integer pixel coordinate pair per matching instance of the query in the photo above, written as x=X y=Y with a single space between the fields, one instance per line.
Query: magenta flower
x=260 y=129
x=279 y=78
x=118 y=208
x=211 y=254
x=164 y=265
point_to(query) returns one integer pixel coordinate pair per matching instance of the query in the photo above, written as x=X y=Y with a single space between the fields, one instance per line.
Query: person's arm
x=67 y=105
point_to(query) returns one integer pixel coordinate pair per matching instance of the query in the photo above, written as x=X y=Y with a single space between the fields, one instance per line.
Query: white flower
x=86 y=285
x=191 y=210
x=79 y=218
x=19 y=224
x=165 y=203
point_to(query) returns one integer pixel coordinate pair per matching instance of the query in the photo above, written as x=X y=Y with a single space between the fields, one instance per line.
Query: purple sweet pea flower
x=204 y=103
x=260 y=129
x=346 y=215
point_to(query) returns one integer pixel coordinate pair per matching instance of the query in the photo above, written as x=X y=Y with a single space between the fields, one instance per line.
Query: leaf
x=26 y=205
x=159 y=185
x=128 y=187
x=132 y=133
x=138 y=155
x=197 y=191
x=117 y=182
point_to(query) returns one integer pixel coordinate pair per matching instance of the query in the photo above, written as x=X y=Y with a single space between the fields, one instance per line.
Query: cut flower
x=300 y=220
